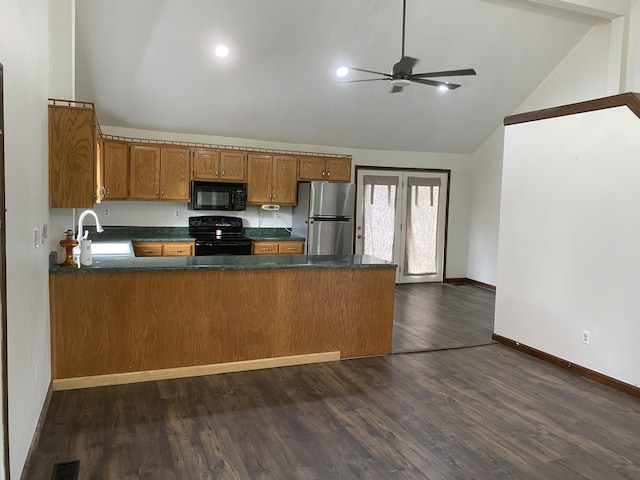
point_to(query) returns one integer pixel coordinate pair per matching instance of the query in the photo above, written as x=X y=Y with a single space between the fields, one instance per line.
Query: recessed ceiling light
x=342 y=72
x=443 y=88
x=221 y=51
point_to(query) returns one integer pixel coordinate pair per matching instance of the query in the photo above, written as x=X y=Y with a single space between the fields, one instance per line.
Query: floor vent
x=66 y=471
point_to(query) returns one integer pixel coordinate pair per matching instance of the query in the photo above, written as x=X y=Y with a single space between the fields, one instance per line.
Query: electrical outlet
x=45 y=232
x=106 y=212
x=586 y=337
x=276 y=215
x=36 y=238
x=177 y=213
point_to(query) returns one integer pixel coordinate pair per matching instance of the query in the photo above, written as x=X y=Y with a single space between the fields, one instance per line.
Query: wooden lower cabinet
x=160 y=249
x=288 y=247
x=143 y=321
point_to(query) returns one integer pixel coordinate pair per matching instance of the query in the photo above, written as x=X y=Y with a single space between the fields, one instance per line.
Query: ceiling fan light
x=444 y=88
x=400 y=82
x=221 y=51
x=342 y=72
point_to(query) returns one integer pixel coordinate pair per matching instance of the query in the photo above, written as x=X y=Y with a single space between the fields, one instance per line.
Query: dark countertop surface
x=130 y=263
x=179 y=234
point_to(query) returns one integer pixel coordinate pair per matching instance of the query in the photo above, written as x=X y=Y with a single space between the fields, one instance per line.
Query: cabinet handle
x=148 y=251
x=222 y=173
x=328 y=174
x=178 y=251
x=157 y=193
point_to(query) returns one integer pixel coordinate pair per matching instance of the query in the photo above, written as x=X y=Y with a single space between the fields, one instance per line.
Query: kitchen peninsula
x=127 y=319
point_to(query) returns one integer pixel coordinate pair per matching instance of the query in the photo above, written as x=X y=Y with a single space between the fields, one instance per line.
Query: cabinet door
x=147 y=249
x=311 y=168
x=206 y=164
x=99 y=168
x=144 y=172
x=71 y=157
x=338 y=169
x=174 y=174
x=285 y=174
x=259 y=173
x=264 y=248
x=291 y=247
x=116 y=170
x=233 y=166
x=177 y=249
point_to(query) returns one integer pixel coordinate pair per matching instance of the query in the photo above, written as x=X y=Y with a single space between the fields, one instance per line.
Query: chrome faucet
x=99 y=228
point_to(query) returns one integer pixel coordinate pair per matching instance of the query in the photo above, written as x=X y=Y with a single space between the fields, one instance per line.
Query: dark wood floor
x=431 y=316
x=484 y=412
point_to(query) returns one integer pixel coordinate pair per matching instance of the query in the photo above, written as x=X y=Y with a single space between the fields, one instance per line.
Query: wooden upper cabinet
x=72 y=157
x=332 y=169
x=259 y=173
x=272 y=179
x=115 y=157
x=159 y=173
x=311 y=168
x=174 y=174
x=338 y=169
x=209 y=164
x=144 y=172
x=233 y=166
x=285 y=187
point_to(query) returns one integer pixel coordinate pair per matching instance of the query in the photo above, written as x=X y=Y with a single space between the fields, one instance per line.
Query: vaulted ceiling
x=149 y=64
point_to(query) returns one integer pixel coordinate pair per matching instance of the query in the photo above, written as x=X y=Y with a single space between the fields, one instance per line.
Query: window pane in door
x=422 y=228
x=379 y=220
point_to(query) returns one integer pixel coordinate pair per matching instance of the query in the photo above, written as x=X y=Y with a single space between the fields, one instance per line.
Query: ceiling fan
x=402 y=74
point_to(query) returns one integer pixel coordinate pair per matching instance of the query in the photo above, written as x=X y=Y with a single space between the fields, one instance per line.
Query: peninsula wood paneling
x=124 y=322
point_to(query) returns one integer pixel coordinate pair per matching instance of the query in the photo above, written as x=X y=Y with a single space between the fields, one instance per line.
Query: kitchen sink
x=111 y=248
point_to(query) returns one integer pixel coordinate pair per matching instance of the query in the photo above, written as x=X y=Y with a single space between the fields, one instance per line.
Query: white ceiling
x=149 y=64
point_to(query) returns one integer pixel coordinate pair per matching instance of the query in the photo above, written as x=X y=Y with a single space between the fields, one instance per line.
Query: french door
x=401 y=217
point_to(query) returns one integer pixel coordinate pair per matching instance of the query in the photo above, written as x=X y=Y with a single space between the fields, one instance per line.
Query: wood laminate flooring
x=432 y=316
x=484 y=412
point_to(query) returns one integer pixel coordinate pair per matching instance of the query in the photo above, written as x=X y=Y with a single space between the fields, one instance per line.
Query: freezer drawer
x=330 y=236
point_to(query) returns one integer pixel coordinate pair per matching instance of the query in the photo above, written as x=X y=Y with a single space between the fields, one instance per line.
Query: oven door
x=213 y=247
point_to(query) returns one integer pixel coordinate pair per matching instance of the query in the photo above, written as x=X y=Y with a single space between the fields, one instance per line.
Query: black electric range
x=218 y=235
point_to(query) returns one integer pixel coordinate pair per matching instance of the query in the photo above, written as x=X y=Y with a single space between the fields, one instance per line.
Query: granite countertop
x=130 y=263
x=179 y=234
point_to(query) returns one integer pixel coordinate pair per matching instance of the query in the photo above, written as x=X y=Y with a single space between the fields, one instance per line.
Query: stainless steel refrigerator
x=324 y=217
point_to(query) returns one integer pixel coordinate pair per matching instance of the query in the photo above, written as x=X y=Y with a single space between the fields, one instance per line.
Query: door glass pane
x=422 y=227
x=379 y=220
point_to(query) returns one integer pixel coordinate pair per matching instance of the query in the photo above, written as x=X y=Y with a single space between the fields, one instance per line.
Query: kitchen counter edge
x=125 y=264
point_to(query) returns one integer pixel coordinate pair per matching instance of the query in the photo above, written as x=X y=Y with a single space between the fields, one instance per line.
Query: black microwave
x=218 y=196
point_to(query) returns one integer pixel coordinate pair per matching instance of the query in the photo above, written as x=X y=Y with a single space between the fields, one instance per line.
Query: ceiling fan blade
x=448 y=73
x=363 y=80
x=370 y=71
x=404 y=66
x=395 y=89
x=433 y=83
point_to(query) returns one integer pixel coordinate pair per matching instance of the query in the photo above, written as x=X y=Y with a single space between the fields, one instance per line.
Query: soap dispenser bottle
x=85 y=253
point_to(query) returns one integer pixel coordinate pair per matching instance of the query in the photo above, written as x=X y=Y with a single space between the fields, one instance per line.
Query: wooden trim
x=36 y=434
x=630 y=100
x=488 y=286
x=195 y=371
x=559 y=362
x=3 y=290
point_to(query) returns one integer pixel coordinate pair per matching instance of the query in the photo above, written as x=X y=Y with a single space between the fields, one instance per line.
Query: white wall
x=569 y=236
x=581 y=76
x=24 y=45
